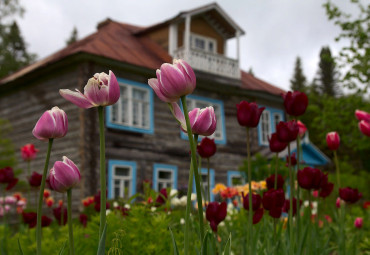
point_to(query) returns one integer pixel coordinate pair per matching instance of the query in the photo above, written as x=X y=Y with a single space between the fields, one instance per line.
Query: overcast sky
x=277 y=31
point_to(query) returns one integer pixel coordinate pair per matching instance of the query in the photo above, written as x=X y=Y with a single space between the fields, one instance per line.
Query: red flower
x=275 y=144
x=11 y=184
x=215 y=213
x=295 y=103
x=35 y=179
x=302 y=128
x=30 y=218
x=29 y=152
x=83 y=219
x=358 y=222
x=6 y=175
x=248 y=114
x=256 y=201
x=287 y=131
x=229 y=192
x=273 y=201
x=311 y=178
x=45 y=221
x=333 y=140
x=326 y=189
x=97 y=206
x=349 y=195
x=270 y=181
x=206 y=148
x=293 y=160
x=58 y=215
x=286 y=206
x=257 y=215
x=364 y=127
x=366 y=205
x=162 y=196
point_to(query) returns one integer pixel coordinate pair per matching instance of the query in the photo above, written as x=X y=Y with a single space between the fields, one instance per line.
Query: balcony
x=210 y=62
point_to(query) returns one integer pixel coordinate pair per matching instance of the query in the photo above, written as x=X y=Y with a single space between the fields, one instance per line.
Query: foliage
x=7 y=153
x=73 y=37
x=298 y=81
x=354 y=58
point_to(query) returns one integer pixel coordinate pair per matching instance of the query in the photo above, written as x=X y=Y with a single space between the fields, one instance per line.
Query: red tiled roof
x=118 y=41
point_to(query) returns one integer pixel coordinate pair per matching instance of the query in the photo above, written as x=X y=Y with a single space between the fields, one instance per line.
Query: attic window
x=203 y=43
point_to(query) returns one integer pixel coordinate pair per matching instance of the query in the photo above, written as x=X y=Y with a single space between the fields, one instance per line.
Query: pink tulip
x=52 y=124
x=338 y=202
x=364 y=127
x=202 y=121
x=173 y=81
x=101 y=90
x=302 y=128
x=362 y=115
x=358 y=222
x=64 y=175
x=333 y=140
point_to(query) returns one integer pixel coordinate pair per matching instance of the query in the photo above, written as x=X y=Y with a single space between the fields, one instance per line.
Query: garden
x=286 y=207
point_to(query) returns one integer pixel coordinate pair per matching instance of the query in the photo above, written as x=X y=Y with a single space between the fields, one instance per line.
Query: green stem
x=250 y=211
x=29 y=186
x=200 y=170
x=62 y=210
x=208 y=182
x=103 y=185
x=337 y=168
x=196 y=175
x=70 y=225
x=298 y=188
x=276 y=170
x=291 y=246
x=41 y=196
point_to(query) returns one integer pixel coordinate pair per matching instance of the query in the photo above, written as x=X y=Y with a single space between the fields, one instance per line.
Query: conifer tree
x=327 y=75
x=298 y=82
x=73 y=37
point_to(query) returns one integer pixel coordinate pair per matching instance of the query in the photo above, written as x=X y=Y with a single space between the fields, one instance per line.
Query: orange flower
x=49 y=202
x=17 y=196
x=60 y=202
x=229 y=192
x=218 y=188
x=46 y=193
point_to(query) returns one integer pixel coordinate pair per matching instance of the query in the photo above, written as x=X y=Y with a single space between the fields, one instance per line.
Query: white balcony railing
x=210 y=62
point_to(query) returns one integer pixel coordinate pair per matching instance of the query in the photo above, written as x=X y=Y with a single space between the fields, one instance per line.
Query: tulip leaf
x=227 y=249
x=175 y=249
x=20 y=248
x=205 y=247
x=61 y=251
x=101 y=248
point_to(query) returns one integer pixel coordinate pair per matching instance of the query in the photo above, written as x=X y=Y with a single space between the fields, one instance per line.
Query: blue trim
x=171 y=168
x=212 y=180
x=233 y=173
x=112 y=163
x=272 y=112
x=312 y=156
x=212 y=101
x=108 y=111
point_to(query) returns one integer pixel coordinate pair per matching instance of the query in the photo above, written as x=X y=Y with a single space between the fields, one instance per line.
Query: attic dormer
x=200 y=37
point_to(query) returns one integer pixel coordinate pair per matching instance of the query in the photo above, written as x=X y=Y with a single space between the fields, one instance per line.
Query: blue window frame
x=193 y=101
x=134 y=110
x=164 y=176
x=270 y=117
x=121 y=178
x=235 y=178
x=204 y=174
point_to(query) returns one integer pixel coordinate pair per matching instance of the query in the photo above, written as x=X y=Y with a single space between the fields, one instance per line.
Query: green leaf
x=101 y=248
x=61 y=251
x=227 y=249
x=20 y=248
x=205 y=243
x=175 y=250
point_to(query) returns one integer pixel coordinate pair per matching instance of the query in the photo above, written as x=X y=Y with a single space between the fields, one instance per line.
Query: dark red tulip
x=293 y=160
x=349 y=195
x=35 y=179
x=326 y=189
x=286 y=206
x=295 y=103
x=275 y=212
x=83 y=219
x=30 y=218
x=256 y=201
x=6 y=175
x=270 y=182
x=275 y=144
x=58 y=214
x=310 y=178
x=45 y=221
x=207 y=148
x=287 y=131
x=273 y=199
x=162 y=197
x=257 y=215
x=248 y=114
x=97 y=206
x=333 y=140
x=215 y=213
x=11 y=184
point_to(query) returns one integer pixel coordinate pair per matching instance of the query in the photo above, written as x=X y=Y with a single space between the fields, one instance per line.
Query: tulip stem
x=276 y=168
x=337 y=168
x=194 y=159
x=208 y=182
x=103 y=186
x=291 y=245
x=298 y=188
x=70 y=225
x=250 y=211
x=29 y=185
x=41 y=195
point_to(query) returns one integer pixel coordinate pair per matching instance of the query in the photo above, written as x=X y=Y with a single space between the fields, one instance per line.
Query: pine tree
x=73 y=38
x=298 y=82
x=327 y=75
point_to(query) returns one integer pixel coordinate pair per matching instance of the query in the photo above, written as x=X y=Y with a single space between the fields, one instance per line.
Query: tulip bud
x=310 y=178
x=207 y=148
x=256 y=201
x=257 y=215
x=287 y=131
x=295 y=103
x=338 y=202
x=362 y=115
x=248 y=114
x=29 y=152
x=358 y=222
x=273 y=200
x=326 y=189
x=349 y=195
x=364 y=127
x=275 y=144
x=215 y=213
x=270 y=181
x=64 y=175
x=302 y=128
x=83 y=219
x=35 y=179
x=52 y=124
x=333 y=140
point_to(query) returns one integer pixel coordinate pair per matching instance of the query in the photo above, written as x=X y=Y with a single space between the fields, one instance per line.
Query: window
x=121 y=179
x=164 y=176
x=203 y=43
x=270 y=117
x=235 y=178
x=204 y=180
x=202 y=102
x=134 y=109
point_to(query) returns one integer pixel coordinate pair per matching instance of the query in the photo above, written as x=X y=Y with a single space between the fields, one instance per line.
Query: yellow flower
x=218 y=188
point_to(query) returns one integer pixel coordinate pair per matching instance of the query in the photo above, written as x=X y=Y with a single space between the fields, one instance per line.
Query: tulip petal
x=96 y=93
x=154 y=84
x=76 y=98
x=44 y=127
x=172 y=80
x=113 y=88
x=179 y=116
